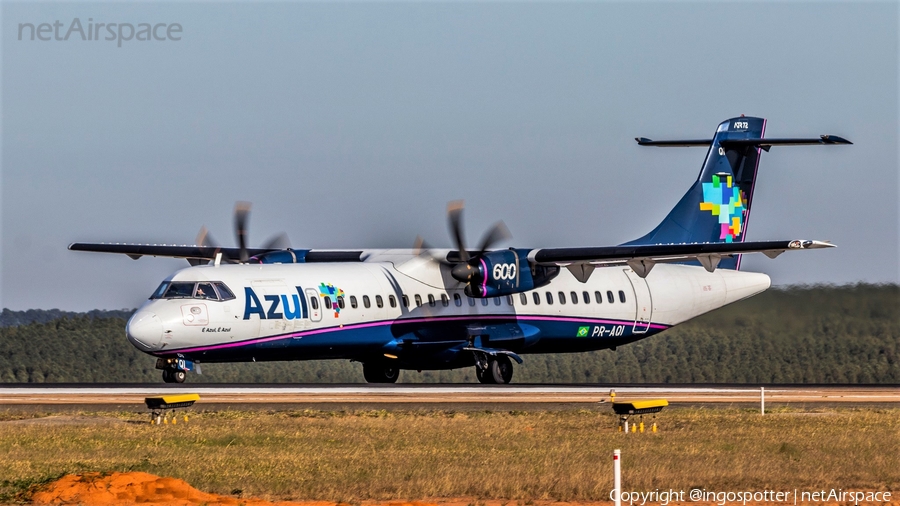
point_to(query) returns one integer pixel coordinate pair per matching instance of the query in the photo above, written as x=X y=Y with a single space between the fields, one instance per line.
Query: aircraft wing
x=642 y=258
x=198 y=254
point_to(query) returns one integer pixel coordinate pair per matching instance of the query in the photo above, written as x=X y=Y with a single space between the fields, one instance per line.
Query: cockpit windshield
x=192 y=290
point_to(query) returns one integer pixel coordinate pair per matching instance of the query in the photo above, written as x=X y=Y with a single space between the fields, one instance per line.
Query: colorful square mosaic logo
x=332 y=292
x=728 y=203
x=582 y=332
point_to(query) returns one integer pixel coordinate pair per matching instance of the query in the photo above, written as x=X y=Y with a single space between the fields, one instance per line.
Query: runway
x=484 y=395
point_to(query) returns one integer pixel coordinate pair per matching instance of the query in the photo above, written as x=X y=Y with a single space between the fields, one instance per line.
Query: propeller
x=466 y=270
x=241 y=212
x=241 y=217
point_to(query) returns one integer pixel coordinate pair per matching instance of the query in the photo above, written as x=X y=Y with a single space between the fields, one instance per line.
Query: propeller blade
x=204 y=240
x=454 y=219
x=278 y=241
x=241 y=212
x=419 y=246
x=497 y=233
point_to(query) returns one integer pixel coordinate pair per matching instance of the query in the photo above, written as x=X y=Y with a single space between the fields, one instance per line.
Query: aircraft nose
x=144 y=329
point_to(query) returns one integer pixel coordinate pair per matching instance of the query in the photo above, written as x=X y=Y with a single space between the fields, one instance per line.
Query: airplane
x=432 y=309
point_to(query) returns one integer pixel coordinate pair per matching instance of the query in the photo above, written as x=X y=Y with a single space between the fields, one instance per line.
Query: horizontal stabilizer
x=736 y=143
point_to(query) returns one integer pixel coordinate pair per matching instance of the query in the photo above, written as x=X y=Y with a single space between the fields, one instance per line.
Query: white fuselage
x=396 y=303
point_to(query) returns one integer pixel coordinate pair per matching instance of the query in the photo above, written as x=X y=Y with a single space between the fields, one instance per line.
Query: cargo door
x=642 y=301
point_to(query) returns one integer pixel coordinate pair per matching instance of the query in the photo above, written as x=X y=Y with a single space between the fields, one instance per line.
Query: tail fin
x=717 y=206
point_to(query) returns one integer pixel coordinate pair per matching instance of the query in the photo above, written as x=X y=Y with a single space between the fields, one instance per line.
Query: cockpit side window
x=224 y=292
x=160 y=291
x=205 y=291
x=180 y=290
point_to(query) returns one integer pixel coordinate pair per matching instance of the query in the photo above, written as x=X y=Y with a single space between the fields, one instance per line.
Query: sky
x=352 y=124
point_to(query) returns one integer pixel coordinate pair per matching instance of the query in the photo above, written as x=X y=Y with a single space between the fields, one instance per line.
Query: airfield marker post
x=617 y=476
x=762 y=400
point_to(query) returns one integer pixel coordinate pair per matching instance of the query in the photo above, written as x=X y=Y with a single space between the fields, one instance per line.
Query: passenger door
x=315 y=305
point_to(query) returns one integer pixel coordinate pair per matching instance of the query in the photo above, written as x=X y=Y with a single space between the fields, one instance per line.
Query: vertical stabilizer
x=717 y=206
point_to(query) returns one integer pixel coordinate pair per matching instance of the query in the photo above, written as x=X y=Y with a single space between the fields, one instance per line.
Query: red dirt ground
x=150 y=490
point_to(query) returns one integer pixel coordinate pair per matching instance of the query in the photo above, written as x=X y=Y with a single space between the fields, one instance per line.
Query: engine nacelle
x=286 y=256
x=506 y=272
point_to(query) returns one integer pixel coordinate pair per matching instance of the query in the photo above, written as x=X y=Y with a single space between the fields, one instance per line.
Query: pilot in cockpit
x=204 y=291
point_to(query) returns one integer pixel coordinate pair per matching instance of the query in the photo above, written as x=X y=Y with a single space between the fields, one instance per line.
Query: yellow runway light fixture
x=625 y=409
x=161 y=406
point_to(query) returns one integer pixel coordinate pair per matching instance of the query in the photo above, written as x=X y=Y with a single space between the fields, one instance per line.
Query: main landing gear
x=380 y=372
x=494 y=369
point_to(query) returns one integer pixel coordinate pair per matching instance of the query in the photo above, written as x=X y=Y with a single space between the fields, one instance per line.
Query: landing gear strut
x=380 y=372
x=494 y=370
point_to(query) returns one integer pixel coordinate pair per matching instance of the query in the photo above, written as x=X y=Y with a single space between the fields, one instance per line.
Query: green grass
x=520 y=456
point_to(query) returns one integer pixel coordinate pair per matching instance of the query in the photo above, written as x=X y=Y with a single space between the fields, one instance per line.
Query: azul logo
x=728 y=203
x=278 y=307
x=333 y=293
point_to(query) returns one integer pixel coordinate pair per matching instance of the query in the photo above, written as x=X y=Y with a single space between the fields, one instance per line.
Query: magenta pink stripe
x=512 y=318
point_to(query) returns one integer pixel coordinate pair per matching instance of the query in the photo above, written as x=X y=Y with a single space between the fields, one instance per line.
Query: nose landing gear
x=174 y=370
x=173 y=376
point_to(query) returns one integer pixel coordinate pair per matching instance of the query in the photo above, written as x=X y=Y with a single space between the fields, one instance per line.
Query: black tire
x=380 y=372
x=484 y=376
x=501 y=370
x=178 y=376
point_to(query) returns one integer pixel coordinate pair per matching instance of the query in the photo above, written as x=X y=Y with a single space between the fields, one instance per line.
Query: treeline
x=9 y=318
x=819 y=334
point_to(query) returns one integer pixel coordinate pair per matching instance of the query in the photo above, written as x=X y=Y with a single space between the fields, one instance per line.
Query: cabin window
x=509 y=300
x=621 y=296
x=562 y=297
x=574 y=297
x=327 y=302
x=471 y=301
x=537 y=298
x=523 y=299
x=418 y=299
x=405 y=300
x=549 y=298
x=497 y=301
x=484 y=301
x=598 y=297
x=586 y=297
x=314 y=302
x=609 y=296
x=445 y=301
x=431 y=300
x=457 y=300
x=379 y=301
x=224 y=291
x=205 y=291
x=340 y=301
x=366 y=302
x=353 y=302
x=392 y=300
